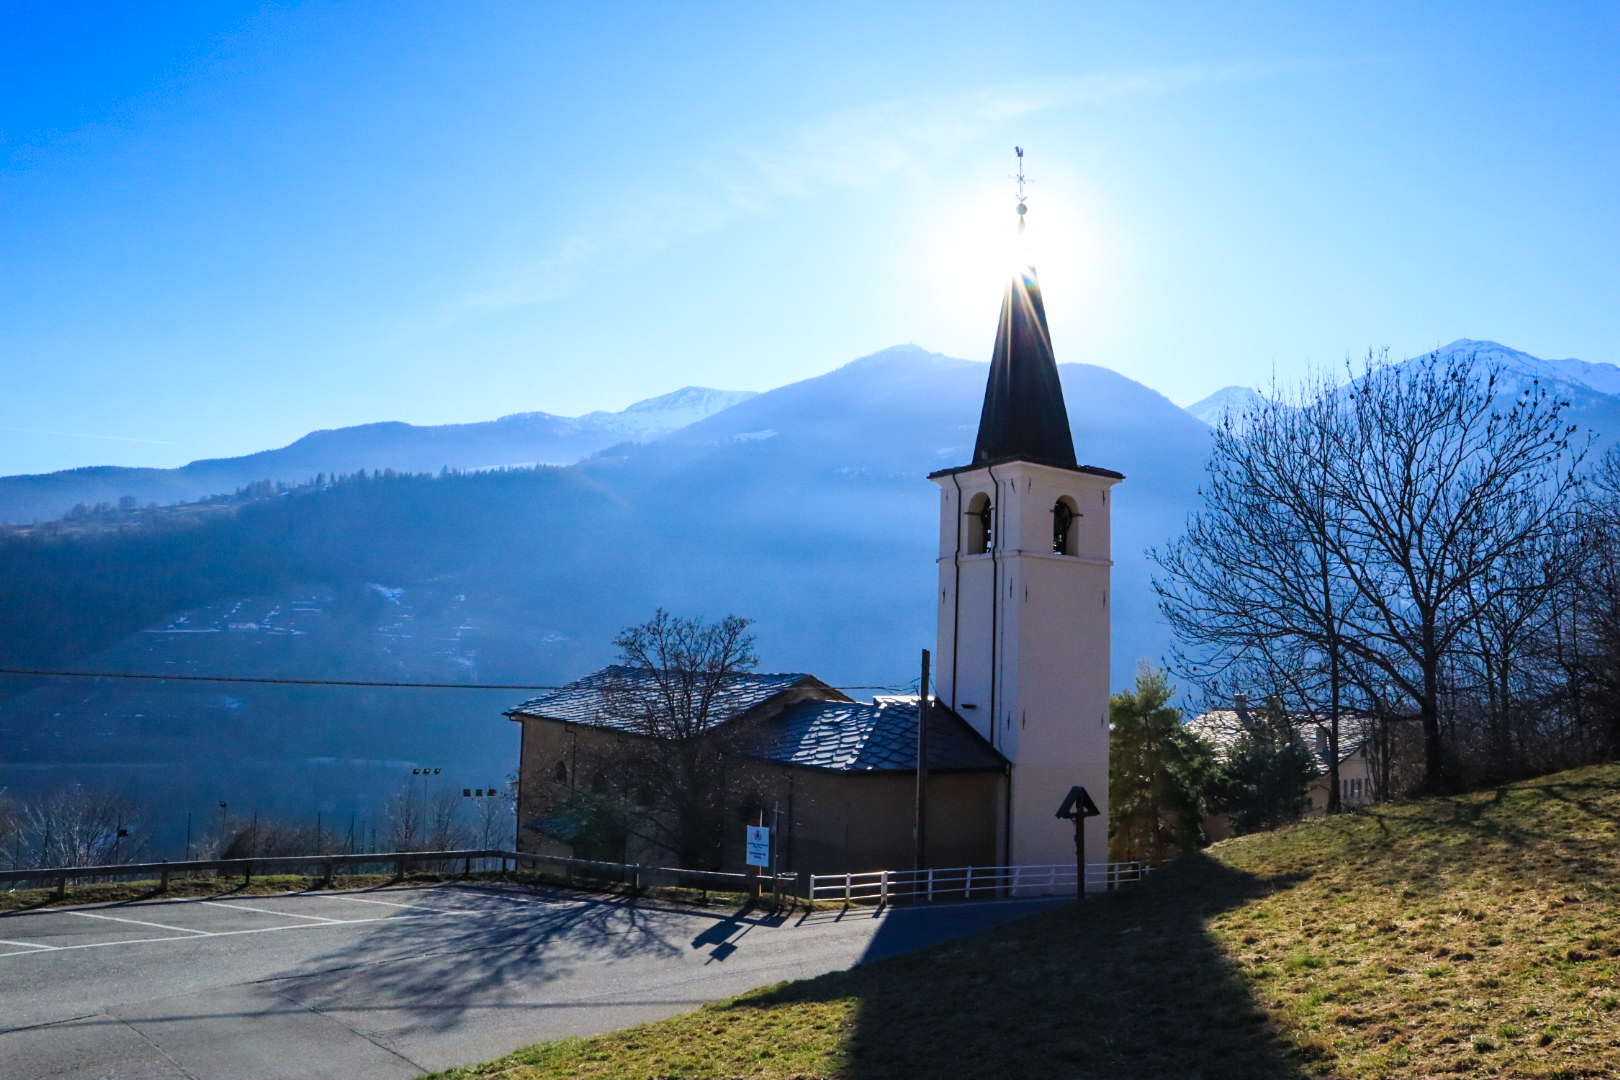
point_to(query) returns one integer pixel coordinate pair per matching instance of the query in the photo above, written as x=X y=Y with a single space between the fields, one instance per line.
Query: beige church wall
x=845 y=823
x=545 y=744
x=830 y=822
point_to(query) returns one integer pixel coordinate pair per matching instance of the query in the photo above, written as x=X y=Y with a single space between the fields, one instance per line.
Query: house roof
x=853 y=736
x=828 y=731
x=1223 y=727
x=583 y=701
x=1023 y=414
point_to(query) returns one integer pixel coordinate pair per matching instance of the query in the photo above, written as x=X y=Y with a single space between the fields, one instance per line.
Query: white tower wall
x=1024 y=644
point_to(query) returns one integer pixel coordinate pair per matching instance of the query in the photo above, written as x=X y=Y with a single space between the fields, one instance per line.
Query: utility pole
x=776 y=845
x=920 y=862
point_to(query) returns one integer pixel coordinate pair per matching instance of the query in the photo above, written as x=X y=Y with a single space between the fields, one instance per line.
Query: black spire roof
x=1023 y=416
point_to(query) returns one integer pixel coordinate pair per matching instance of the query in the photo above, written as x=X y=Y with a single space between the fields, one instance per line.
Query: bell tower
x=1023 y=645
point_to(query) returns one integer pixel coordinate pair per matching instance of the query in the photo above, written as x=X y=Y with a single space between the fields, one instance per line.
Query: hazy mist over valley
x=417 y=557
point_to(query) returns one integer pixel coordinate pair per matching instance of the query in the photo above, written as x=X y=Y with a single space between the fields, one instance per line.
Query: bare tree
x=79 y=826
x=1388 y=524
x=1255 y=589
x=11 y=834
x=405 y=817
x=680 y=773
x=497 y=817
x=443 y=828
x=1583 y=643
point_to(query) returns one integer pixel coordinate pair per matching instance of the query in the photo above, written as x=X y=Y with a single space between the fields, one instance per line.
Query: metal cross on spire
x=1022 y=180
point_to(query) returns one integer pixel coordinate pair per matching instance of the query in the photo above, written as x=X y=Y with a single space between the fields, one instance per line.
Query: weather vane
x=1022 y=180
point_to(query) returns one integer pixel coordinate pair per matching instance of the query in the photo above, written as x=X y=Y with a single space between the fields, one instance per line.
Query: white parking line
x=139 y=922
x=223 y=933
x=30 y=945
x=267 y=911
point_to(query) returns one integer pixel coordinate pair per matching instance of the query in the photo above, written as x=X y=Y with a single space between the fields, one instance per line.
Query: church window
x=981 y=525
x=560 y=773
x=1064 y=514
x=599 y=784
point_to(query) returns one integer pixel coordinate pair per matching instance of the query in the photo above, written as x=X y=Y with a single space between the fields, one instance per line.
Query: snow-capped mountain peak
x=667 y=412
x=1228 y=399
x=1598 y=377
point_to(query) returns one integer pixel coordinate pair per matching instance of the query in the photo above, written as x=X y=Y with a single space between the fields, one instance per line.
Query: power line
x=330 y=682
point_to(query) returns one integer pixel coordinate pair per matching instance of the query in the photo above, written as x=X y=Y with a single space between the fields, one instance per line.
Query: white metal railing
x=970 y=882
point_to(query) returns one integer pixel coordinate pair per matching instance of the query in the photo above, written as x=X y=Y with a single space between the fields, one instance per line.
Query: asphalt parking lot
x=391 y=982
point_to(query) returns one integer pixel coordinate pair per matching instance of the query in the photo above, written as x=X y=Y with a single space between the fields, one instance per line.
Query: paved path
x=390 y=982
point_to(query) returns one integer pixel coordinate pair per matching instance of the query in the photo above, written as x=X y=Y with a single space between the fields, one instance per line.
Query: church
x=1020 y=710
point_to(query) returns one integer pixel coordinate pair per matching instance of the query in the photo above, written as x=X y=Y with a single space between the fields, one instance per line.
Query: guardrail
x=639 y=874
x=635 y=874
x=965 y=882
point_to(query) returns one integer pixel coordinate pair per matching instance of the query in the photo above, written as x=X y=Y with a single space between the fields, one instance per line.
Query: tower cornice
x=1090 y=470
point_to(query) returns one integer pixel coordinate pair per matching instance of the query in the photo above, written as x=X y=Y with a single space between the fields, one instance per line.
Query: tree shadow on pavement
x=500 y=951
x=1128 y=985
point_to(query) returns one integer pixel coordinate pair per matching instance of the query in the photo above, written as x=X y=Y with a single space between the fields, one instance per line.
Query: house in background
x=1360 y=768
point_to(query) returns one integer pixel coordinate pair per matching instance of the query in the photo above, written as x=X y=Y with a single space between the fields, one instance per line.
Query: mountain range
x=1588 y=386
x=805 y=508
x=522 y=439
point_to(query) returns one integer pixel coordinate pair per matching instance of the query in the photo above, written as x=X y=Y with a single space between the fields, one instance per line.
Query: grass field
x=1471 y=936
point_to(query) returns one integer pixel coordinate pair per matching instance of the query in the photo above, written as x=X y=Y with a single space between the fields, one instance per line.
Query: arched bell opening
x=1065 y=515
x=981 y=525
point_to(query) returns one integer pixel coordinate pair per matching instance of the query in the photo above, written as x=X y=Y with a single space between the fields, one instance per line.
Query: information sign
x=759 y=846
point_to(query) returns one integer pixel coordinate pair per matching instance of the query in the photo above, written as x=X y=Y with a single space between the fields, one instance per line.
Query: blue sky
x=224 y=225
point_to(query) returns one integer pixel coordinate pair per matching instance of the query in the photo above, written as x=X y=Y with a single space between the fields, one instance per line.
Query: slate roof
x=581 y=702
x=1223 y=727
x=852 y=736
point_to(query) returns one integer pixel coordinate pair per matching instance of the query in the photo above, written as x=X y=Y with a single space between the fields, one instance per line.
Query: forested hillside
x=806 y=508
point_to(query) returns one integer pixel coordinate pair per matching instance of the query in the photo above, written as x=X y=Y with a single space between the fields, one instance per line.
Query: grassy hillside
x=1474 y=936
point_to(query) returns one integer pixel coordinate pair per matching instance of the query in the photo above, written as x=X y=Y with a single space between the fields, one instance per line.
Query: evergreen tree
x=1157 y=774
x=1263 y=782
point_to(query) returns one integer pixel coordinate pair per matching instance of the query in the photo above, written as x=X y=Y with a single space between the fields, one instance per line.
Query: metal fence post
x=930 y=886
x=883 y=888
x=968 y=890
